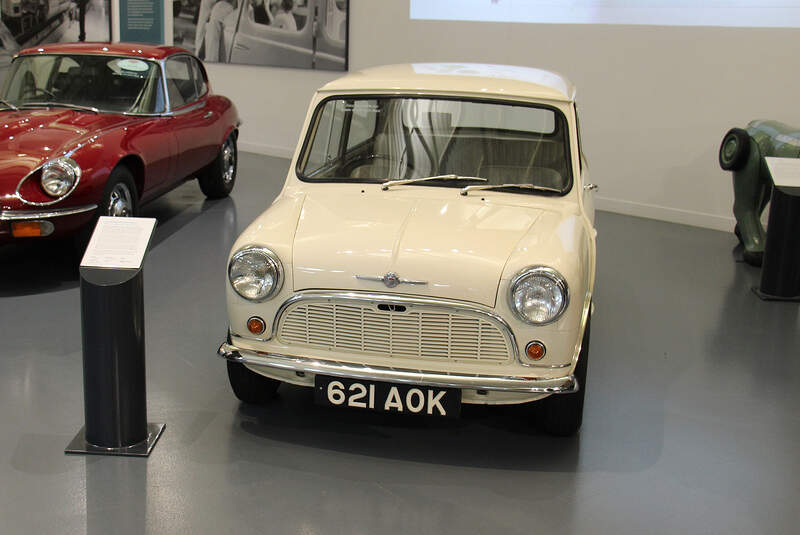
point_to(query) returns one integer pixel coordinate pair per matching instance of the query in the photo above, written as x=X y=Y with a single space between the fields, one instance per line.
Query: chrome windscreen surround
x=375 y=299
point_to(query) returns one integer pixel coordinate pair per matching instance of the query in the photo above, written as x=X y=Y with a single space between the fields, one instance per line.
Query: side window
x=200 y=81
x=181 y=86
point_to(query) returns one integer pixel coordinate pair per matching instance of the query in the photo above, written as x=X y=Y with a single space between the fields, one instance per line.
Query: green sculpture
x=743 y=152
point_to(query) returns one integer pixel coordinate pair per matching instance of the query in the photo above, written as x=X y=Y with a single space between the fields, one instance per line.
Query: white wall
x=654 y=101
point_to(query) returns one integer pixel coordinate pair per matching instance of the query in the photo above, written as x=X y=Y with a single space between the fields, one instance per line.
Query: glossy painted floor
x=691 y=422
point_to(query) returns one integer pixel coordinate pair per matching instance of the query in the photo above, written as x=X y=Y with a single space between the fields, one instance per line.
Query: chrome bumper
x=529 y=385
x=26 y=215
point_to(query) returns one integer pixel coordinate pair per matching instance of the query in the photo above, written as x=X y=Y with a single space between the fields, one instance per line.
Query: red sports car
x=90 y=129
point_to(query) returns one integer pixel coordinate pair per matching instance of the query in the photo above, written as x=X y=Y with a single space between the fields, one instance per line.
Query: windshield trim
x=432 y=96
x=159 y=63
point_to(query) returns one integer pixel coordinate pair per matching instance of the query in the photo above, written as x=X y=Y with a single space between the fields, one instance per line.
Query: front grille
x=418 y=332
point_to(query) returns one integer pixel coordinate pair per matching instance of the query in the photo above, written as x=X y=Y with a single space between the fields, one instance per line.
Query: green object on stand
x=743 y=151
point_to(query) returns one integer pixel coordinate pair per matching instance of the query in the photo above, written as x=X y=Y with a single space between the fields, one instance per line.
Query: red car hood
x=28 y=138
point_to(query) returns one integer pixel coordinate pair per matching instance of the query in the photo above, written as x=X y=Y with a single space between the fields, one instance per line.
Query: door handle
x=208 y=114
x=591 y=187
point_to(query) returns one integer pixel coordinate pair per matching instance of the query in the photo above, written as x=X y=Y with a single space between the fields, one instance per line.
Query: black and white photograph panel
x=306 y=34
x=26 y=23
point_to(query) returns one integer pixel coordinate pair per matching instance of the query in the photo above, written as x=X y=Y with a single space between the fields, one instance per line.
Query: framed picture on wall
x=306 y=34
x=26 y=23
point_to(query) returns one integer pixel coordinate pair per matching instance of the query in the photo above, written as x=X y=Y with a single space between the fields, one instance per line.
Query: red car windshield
x=107 y=83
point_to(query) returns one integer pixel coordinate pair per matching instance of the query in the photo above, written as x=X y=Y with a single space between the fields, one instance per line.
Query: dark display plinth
x=780 y=275
x=112 y=327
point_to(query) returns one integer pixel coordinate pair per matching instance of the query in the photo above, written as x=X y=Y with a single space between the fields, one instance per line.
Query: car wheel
x=733 y=150
x=119 y=199
x=216 y=180
x=562 y=414
x=176 y=9
x=119 y=196
x=249 y=386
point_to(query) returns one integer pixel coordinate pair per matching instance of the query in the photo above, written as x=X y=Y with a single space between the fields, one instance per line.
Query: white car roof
x=459 y=78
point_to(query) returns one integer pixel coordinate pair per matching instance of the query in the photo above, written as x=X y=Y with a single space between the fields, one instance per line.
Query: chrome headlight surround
x=545 y=280
x=255 y=273
x=60 y=176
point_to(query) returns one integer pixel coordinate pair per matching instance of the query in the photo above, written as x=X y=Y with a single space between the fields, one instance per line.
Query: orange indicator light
x=256 y=325
x=31 y=229
x=535 y=350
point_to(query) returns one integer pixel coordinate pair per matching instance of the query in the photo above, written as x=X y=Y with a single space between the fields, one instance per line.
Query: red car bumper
x=22 y=224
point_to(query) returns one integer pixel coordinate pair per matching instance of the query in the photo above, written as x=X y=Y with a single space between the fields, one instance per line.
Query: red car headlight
x=60 y=176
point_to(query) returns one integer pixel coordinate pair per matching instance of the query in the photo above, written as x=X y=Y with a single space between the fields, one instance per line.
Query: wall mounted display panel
x=308 y=34
x=141 y=21
x=735 y=13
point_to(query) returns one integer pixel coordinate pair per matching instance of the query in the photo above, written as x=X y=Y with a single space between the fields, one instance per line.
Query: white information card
x=785 y=171
x=119 y=242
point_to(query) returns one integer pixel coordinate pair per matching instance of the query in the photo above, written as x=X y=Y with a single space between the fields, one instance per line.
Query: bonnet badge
x=390 y=279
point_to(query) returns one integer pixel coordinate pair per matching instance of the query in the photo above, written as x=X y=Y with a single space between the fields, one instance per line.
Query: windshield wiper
x=389 y=183
x=60 y=105
x=7 y=104
x=532 y=187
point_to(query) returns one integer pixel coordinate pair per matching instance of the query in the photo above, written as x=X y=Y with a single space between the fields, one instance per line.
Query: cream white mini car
x=433 y=245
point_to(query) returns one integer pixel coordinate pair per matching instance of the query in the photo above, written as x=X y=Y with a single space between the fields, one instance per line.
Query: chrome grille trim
x=437 y=340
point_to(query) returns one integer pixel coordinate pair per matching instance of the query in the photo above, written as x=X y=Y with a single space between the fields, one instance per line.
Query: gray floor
x=691 y=422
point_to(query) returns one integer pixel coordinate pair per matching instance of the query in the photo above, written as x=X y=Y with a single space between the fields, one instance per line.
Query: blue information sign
x=141 y=21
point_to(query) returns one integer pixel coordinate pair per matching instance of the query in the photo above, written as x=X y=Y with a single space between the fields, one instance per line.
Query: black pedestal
x=115 y=400
x=780 y=274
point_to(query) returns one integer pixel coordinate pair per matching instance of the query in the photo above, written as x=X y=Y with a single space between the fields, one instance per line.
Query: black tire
x=120 y=198
x=119 y=182
x=249 y=386
x=217 y=178
x=734 y=149
x=562 y=414
x=176 y=8
x=755 y=258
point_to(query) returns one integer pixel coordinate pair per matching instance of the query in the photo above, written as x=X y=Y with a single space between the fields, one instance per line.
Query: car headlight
x=59 y=176
x=538 y=295
x=255 y=273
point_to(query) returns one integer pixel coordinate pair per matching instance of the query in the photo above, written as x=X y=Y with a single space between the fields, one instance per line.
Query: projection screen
x=734 y=13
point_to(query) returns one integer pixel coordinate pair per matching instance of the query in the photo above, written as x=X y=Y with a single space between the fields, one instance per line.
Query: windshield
x=397 y=138
x=113 y=84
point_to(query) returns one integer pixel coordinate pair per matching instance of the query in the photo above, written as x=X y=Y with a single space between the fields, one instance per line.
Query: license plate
x=387 y=397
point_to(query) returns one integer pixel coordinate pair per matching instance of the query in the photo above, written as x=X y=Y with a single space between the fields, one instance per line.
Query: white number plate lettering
x=387 y=397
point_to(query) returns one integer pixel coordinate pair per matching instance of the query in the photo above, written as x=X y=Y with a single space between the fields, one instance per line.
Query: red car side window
x=181 y=85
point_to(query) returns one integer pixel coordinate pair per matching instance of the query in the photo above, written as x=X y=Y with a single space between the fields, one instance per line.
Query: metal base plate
x=769 y=297
x=142 y=449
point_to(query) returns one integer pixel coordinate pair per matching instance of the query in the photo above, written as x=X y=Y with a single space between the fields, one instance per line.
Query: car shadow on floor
x=30 y=267
x=497 y=437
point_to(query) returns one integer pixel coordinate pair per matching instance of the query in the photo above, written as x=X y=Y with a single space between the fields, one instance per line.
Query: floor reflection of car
x=319 y=41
